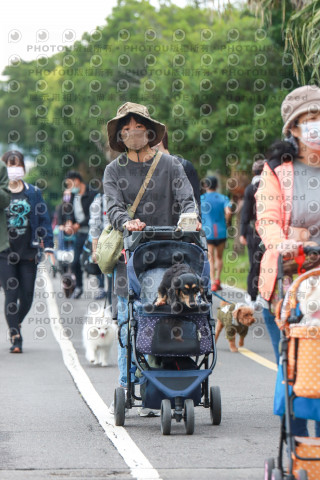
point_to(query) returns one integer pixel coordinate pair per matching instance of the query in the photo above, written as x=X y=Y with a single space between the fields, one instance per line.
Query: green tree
x=300 y=22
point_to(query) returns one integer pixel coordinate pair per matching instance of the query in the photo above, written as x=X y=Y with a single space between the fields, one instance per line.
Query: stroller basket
x=307 y=456
x=172 y=384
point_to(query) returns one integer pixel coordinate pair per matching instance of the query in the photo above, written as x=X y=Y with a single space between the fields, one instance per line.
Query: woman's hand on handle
x=134 y=225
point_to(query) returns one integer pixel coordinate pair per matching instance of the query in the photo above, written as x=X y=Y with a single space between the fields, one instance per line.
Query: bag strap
x=146 y=181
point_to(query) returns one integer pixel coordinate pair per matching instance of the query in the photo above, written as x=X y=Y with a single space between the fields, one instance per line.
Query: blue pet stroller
x=174 y=352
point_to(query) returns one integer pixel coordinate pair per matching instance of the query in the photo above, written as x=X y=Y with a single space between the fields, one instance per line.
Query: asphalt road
x=47 y=431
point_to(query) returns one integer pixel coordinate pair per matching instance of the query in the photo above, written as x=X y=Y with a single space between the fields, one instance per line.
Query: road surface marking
x=141 y=468
x=258 y=358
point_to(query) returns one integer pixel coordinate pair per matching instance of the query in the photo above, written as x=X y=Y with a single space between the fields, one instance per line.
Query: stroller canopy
x=149 y=261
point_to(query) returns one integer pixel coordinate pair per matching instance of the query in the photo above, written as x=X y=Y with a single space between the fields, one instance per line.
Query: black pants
x=255 y=255
x=18 y=283
x=76 y=266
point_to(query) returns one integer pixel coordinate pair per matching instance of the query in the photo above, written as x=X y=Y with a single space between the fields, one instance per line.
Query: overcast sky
x=32 y=28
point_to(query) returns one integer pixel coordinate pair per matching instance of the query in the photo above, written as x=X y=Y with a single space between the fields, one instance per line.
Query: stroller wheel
x=165 y=417
x=119 y=406
x=215 y=405
x=268 y=467
x=302 y=475
x=276 y=474
x=189 y=416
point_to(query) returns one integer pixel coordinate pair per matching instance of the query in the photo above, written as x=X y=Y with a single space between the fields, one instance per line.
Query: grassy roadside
x=235 y=267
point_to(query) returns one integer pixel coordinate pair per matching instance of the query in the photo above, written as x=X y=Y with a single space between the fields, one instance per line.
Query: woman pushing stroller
x=288 y=208
x=133 y=133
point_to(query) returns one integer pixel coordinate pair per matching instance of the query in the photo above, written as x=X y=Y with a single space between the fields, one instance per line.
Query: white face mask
x=310 y=134
x=15 y=173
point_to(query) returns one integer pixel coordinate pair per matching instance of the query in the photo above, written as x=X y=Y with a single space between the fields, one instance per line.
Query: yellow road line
x=257 y=358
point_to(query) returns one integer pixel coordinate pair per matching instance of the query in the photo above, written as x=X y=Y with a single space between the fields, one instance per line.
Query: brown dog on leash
x=236 y=318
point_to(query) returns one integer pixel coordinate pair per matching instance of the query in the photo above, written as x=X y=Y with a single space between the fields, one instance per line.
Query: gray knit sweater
x=168 y=186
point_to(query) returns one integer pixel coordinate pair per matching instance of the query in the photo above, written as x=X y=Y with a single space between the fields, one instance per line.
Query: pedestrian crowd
x=280 y=213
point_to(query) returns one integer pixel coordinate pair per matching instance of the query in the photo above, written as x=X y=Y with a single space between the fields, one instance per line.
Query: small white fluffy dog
x=98 y=336
x=309 y=301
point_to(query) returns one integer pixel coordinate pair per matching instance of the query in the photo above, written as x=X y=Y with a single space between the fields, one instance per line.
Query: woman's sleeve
x=268 y=207
x=44 y=231
x=116 y=207
x=5 y=194
x=182 y=189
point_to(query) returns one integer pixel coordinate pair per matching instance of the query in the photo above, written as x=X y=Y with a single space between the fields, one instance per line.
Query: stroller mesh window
x=150 y=281
x=149 y=261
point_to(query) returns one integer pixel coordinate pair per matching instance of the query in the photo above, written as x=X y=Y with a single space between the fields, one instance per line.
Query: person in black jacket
x=190 y=171
x=248 y=233
x=29 y=229
x=78 y=221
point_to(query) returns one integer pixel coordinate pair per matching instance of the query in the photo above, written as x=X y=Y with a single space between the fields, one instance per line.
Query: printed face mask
x=15 y=173
x=75 y=190
x=310 y=134
x=135 y=139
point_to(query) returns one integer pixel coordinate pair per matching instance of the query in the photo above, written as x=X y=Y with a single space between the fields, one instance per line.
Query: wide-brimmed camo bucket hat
x=125 y=109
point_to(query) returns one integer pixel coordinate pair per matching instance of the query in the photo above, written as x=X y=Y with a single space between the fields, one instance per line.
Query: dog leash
x=221 y=298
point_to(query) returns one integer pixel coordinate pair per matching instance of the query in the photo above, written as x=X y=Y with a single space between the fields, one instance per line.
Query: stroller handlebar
x=150 y=233
x=307 y=250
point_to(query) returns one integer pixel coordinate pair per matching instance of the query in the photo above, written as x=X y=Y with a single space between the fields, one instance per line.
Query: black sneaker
x=16 y=346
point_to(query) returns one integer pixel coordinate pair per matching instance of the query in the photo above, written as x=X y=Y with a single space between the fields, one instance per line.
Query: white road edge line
x=141 y=468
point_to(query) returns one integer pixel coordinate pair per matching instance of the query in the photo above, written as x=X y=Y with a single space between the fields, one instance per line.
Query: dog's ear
x=235 y=313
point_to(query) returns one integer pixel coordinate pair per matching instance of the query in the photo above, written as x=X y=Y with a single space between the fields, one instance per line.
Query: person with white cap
x=133 y=133
x=287 y=200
